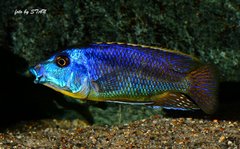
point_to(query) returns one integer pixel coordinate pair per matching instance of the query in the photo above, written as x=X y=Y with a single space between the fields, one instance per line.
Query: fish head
x=64 y=72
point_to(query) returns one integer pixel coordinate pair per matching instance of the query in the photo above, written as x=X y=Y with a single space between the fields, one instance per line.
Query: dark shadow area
x=229 y=105
x=22 y=100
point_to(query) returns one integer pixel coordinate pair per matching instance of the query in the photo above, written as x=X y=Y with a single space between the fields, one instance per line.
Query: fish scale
x=118 y=63
x=122 y=85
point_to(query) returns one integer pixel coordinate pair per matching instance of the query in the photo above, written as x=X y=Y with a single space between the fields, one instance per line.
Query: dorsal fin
x=148 y=47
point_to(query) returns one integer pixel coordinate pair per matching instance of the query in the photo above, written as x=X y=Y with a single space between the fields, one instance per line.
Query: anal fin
x=174 y=100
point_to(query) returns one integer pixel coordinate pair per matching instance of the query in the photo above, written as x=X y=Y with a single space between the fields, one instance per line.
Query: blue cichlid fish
x=134 y=74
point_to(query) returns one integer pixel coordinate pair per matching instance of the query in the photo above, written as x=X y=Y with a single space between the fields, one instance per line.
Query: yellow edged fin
x=174 y=100
x=150 y=47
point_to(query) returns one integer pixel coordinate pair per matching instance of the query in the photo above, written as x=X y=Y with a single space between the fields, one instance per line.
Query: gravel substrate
x=155 y=132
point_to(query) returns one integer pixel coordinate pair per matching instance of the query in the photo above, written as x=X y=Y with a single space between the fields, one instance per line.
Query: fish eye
x=62 y=60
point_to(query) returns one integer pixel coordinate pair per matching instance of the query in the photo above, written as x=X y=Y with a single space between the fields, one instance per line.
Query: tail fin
x=203 y=88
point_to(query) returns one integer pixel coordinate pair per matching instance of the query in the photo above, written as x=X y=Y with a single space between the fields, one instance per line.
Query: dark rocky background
x=209 y=30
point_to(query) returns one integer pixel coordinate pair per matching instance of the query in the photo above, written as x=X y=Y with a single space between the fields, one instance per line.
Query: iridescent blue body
x=131 y=73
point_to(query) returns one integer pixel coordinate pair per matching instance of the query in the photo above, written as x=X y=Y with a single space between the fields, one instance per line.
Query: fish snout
x=36 y=71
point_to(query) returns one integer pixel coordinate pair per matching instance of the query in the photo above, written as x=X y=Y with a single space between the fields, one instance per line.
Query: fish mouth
x=44 y=80
x=39 y=79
